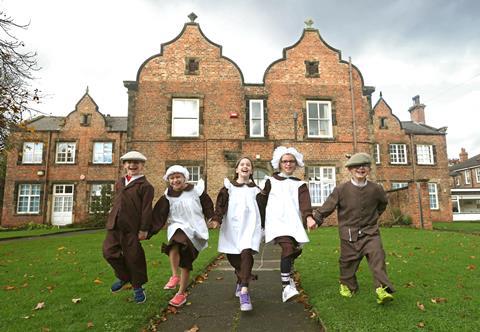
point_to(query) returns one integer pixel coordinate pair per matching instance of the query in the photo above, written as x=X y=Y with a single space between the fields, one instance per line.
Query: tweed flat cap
x=133 y=155
x=359 y=159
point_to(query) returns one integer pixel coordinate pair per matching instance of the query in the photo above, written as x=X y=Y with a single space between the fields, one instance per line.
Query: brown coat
x=132 y=206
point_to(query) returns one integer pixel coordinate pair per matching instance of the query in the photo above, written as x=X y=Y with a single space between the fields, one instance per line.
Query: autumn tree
x=16 y=68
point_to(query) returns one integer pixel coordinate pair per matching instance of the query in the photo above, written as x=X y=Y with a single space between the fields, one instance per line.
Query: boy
x=359 y=204
x=129 y=222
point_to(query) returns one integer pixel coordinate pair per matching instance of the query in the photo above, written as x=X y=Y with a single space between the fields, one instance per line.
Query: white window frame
x=467 y=176
x=398 y=153
x=181 y=113
x=425 y=154
x=477 y=173
x=195 y=174
x=32 y=153
x=433 y=195
x=377 y=154
x=328 y=118
x=398 y=185
x=102 y=151
x=69 y=153
x=321 y=182
x=96 y=192
x=253 y=119
x=31 y=194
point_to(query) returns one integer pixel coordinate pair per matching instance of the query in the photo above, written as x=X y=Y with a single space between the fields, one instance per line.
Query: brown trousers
x=243 y=264
x=352 y=253
x=188 y=253
x=124 y=252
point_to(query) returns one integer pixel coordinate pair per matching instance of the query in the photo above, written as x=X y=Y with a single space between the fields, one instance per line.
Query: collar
x=249 y=184
x=133 y=178
x=173 y=193
x=281 y=177
x=360 y=185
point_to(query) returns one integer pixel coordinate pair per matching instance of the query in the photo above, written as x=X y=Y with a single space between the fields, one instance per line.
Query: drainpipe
x=45 y=185
x=419 y=196
x=354 y=122
x=295 y=121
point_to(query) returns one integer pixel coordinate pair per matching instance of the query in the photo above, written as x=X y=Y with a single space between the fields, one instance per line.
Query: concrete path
x=214 y=307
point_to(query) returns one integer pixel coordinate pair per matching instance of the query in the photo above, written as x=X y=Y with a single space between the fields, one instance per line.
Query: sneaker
x=118 y=285
x=245 y=303
x=139 y=295
x=383 y=296
x=172 y=282
x=345 y=291
x=178 y=300
x=238 y=288
x=290 y=291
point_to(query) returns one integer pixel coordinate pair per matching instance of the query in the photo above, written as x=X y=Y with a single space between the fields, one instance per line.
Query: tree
x=16 y=68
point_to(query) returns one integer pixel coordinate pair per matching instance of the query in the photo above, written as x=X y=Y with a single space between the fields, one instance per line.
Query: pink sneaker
x=172 y=282
x=178 y=300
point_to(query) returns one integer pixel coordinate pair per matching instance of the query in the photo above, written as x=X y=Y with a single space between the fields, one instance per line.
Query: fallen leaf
x=61 y=248
x=8 y=287
x=472 y=257
x=25 y=285
x=26 y=317
x=90 y=325
x=194 y=328
x=471 y=267
x=420 y=306
x=98 y=281
x=188 y=303
x=76 y=300
x=45 y=329
x=438 y=300
x=219 y=278
x=50 y=288
x=409 y=284
x=421 y=325
x=199 y=279
x=40 y=305
x=468 y=298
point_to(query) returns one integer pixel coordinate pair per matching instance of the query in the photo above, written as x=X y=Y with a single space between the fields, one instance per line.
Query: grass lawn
x=472 y=227
x=436 y=275
x=56 y=270
x=7 y=234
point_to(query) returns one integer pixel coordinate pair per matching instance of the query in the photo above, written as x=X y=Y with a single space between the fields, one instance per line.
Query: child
x=186 y=207
x=287 y=204
x=129 y=222
x=359 y=204
x=240 y=233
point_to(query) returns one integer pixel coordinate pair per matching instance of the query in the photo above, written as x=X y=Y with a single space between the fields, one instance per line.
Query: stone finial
x=192 y=17
x=381 y=95
x=86 y=91
x=309 y=23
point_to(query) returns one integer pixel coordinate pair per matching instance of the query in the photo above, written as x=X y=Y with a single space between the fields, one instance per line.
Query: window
x=477 y=173
x=311 y=69
x=194 y=173
x=192 y=66
x=457 y=181
x=28 y=198
x=65 y=153
x=468 y=178
x=433 y=195
x=383 y=123
x=425 y=154
x=185 y=117
x=321 y=181
x=256 y=118
x=62 y=198
x=102 y=152
x=398 y=153
x=319 y=119
x=259 y=176
x=398 y=185
x=100 y=197
x=376 y=154
x=85 y=119
x=32 y=153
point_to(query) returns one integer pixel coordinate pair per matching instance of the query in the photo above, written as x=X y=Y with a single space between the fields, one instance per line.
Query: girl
x=186 y=207
x=287 y=204
x=240 y=233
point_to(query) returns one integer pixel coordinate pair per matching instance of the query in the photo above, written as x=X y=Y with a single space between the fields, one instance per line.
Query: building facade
x=190 y=105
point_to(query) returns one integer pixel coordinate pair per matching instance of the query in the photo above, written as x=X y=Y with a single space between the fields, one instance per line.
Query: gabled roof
x=411 y=127
x=117 y=123
x=469 y=163
x=55 y=123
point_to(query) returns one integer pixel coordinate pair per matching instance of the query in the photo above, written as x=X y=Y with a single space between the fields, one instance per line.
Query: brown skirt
x=188 y=253
x=290 y=246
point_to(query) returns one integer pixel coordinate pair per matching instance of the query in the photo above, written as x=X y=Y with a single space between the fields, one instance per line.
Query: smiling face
x=288 y=164
x=244 y=170
x=133 y=167
x=177 y=181
x=359 y=172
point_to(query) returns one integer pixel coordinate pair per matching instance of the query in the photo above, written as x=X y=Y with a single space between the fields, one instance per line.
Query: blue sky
x=403 y=48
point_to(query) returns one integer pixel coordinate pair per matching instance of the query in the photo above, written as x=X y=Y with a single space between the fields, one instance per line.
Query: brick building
x=189 y=105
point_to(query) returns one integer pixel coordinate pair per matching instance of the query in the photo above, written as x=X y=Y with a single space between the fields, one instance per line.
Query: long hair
x=235 y=174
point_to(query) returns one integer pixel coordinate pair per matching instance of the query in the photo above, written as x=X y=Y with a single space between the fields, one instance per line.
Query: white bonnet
x=282 y=150
x=176 y=169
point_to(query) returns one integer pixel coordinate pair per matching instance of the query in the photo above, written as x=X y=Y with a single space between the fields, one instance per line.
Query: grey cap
x=360 y=158
x=133 y=155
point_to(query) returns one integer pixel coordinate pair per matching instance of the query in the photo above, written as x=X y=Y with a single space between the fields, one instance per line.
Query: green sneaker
x=345 y=291
x=383 y=296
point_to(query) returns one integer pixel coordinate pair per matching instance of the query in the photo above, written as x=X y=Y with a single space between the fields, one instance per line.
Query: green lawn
x=56 y=270
x=425 y=267
x=472 y=227
x=7 y=234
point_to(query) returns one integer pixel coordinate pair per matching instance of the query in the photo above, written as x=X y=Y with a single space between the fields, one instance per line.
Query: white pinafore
x=282 y=216
x=241 y=225
x=186 y=214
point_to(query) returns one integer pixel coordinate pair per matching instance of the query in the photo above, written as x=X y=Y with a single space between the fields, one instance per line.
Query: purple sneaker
x=245 y=303
x=237 y=290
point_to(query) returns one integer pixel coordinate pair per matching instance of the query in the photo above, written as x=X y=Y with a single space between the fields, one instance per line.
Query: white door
x=62 y=204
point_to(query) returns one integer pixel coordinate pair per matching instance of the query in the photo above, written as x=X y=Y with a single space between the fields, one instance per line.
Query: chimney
x=417 y=111
x=463 y=155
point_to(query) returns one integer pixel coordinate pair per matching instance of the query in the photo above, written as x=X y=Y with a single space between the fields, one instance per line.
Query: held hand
x=311 y=224
x=213 y=224
x=142 y=235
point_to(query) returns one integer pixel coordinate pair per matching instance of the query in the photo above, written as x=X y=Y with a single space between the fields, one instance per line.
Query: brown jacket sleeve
x=262 y=200
x=383 y=201
x=207 y=205
x=327 y=208
x=160 y=215
x=221 y=205
x=147 y=198
x=304 y=201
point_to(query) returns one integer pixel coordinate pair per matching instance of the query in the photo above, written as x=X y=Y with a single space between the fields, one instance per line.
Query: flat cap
x=360 y=158
x=133 y=155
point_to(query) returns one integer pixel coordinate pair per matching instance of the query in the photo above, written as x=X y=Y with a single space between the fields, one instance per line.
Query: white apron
x=186 y=214
x=241 y=225
x=282 y=215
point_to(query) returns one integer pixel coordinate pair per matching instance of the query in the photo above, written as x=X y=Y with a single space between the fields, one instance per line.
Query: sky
x=403 y=48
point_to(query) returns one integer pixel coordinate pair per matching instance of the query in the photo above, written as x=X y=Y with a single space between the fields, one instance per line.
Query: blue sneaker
x=118 y=285
x=139 y=295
